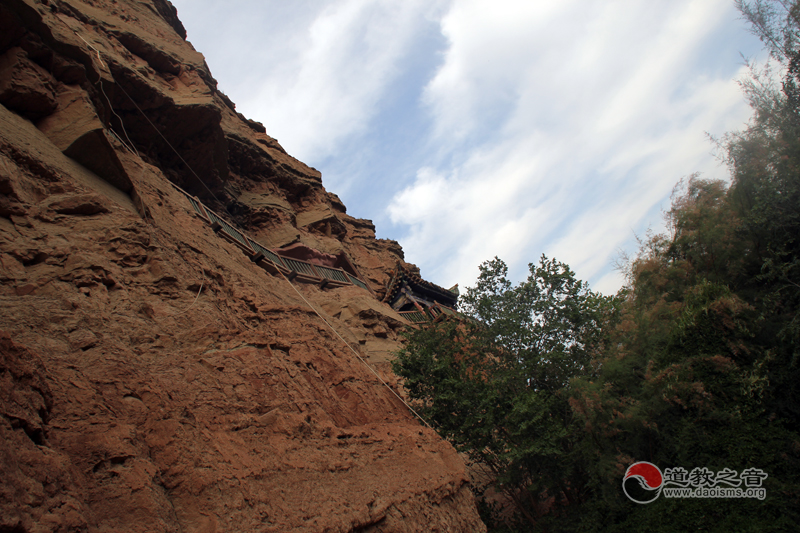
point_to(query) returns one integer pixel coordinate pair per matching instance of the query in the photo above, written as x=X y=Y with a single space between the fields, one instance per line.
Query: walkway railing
x=296 y=269
x=269 y=260
x=267 y=254
x=229 y=232
x=356 y=281
x=434 y=313
x=416 y=317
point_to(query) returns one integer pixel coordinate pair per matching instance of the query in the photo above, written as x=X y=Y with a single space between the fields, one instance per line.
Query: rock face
x=152 y=378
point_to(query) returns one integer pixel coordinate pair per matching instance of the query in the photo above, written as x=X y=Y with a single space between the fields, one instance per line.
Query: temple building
x=419 y=300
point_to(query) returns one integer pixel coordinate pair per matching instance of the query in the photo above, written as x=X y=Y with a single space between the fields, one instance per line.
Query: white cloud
x=347 y=59
x=576 y=119
x=313 y=72
x=556 y=126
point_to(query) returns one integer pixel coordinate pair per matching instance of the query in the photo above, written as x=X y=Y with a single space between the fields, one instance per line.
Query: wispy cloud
x=555 y=127
x=574 y=119
x=329 y=73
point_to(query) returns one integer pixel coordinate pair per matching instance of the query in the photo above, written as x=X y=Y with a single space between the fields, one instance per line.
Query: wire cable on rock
x=129 y=145
x=132 y=148
x=356 y=353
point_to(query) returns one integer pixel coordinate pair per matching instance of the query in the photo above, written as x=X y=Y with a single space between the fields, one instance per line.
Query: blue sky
x=469 y=129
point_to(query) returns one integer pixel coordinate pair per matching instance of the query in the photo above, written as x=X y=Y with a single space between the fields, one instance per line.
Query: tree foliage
x=695 y=363
x=497 y=387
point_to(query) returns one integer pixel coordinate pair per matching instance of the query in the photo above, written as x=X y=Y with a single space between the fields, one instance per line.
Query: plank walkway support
x=292 y=269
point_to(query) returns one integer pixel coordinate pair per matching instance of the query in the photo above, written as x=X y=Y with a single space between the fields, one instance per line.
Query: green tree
x=764 y=161
x=695 y=363
x=496 y=387
x=686 y=377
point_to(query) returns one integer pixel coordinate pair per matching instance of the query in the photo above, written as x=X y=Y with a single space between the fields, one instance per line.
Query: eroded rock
x=153 y=377
x=25 y=87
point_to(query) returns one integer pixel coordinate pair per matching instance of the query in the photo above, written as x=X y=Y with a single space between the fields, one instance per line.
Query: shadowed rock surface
x=152 y=378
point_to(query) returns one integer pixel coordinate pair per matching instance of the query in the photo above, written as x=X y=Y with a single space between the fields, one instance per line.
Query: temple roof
x=420 y=286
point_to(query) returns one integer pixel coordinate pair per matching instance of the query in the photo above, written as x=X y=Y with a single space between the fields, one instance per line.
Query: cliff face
x=153 y=378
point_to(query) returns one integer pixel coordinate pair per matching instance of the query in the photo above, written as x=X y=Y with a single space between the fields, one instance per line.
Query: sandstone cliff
x=153 y=378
